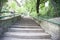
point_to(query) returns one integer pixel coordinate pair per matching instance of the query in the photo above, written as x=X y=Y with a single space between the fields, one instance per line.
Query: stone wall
x=51 y=28
x=6 y=22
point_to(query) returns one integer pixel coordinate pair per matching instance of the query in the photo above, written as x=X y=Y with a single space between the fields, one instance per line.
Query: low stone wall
x=51 y=28
x=6 y=22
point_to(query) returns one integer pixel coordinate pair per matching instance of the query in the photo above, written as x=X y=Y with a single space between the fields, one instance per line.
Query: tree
x=56 y=5
x=1 y=3
x=37 y=6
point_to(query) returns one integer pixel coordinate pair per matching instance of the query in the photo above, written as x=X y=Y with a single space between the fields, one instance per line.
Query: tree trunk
x=37 y=6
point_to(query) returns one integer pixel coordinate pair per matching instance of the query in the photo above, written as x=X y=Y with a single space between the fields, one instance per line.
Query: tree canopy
x=43 y=8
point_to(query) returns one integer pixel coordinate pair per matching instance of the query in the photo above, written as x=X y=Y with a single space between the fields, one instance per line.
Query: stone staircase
x=26 y=29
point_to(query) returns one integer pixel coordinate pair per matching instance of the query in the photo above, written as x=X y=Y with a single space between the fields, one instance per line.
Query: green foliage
x=57 y=1
x=4 y=8
x=2 y=2
x=56 y=5
x=33 y=14
x=50 y=11
x=13 y=6
x=30 y=5
x=43 y=1
x=47 y=12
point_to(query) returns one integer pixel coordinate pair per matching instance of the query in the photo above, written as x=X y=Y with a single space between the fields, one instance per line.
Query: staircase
x=26 y=29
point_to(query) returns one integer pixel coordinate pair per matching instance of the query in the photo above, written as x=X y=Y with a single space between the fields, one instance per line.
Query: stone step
x=25 y=30
x=27 y=24
x=21 y=26
x=27 y=35
x=30 y=23
x=10 y=38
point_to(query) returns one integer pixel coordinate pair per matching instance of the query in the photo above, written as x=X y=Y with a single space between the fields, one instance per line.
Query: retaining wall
x=51 y=28
x=6 y=22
